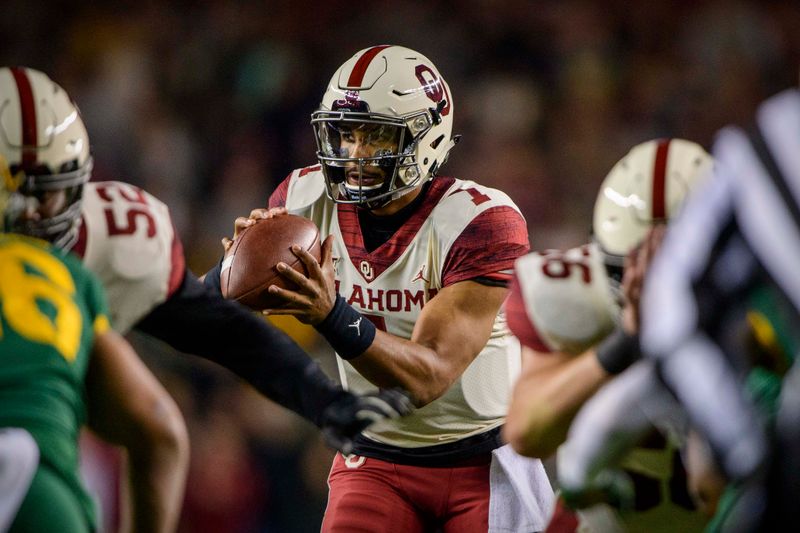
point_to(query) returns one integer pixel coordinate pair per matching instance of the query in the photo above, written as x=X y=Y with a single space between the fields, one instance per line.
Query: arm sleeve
x=211 y=279
x=488 y=247
x=90 y=290
x=196 y=321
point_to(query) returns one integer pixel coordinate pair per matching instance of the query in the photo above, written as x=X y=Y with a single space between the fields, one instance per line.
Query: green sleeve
x=92 y=292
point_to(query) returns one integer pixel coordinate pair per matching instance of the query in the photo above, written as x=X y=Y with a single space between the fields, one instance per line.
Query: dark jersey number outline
x=557 y=266
x=139 y=210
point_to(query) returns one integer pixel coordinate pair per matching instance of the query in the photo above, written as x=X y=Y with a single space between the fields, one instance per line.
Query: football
x=249 y=266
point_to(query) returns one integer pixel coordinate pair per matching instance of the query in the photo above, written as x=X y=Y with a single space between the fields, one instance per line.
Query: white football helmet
x=398 y=95
x=645 y=187
x=43 y=144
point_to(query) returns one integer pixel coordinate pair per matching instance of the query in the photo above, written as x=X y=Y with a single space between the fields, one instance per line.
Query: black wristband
x=349 y=332
x=618 y=351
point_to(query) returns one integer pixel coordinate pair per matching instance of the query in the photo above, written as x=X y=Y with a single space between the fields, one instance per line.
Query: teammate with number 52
x=61 y=366
x=409 y=290
x=125 y=236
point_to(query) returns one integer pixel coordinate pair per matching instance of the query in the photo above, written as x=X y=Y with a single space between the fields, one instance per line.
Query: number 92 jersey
x=127 y=239
x=561 y=301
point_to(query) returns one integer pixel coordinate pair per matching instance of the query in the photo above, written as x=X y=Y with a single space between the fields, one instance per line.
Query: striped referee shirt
x=741 y=229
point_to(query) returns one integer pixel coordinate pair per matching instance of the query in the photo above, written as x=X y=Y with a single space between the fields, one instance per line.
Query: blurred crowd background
x=206 y=105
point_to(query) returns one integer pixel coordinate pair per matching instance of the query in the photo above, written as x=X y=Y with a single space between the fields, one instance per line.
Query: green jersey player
x=51 y=311
x=62 y=366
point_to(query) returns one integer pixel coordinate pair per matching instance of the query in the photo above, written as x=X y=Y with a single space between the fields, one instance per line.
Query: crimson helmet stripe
x=660 y=180
x=360 y=68
x=28 y=110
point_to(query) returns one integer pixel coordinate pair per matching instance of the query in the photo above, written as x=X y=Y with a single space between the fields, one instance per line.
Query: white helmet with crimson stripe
x=395 y=98
x=44 y=145
x=645 y=187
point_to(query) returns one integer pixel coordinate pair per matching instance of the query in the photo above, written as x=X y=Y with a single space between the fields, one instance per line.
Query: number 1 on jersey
x=477 y=196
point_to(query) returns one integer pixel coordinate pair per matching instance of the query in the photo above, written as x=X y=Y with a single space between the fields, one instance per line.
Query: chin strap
x=453 y=142
x=445 y=154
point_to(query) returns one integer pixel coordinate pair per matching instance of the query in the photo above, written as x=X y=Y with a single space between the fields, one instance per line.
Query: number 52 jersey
x=127 y=239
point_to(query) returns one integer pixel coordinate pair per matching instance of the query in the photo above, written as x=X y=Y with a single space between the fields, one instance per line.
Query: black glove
x=350 y=414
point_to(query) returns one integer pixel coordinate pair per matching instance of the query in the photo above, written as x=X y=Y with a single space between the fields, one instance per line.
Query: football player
x=742 y=234
x=576 y=313
x=408 y=292
x=126 y=237
x=61 y=366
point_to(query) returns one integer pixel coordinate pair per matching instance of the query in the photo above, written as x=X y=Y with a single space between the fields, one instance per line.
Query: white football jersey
x=460 y=231
x=127 y=239
x=562 y=301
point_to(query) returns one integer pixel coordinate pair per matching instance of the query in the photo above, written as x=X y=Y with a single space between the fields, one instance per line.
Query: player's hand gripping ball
x=249 y=265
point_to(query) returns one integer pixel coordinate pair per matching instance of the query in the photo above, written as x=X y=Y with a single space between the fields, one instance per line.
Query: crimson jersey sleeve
x=278 y=196
x=488 y=247
x=178 y=262
x=519 y=322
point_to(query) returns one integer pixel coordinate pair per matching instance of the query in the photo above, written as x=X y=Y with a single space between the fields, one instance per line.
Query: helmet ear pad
x=43 y=138
x=389 y=85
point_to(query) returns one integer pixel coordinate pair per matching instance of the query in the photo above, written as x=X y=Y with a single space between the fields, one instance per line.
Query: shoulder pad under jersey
x=129 y=242
x=467 y=199
x=567 y=297
x=305 y=187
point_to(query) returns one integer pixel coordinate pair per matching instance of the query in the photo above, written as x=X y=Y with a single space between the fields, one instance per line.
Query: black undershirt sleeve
x=198 y=321
x=484 y=280
x=211 y=279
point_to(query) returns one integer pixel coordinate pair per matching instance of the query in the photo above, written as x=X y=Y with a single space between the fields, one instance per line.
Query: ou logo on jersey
x=366 y=270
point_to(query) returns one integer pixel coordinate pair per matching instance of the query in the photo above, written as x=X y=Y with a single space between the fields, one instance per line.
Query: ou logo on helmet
x=433 y=87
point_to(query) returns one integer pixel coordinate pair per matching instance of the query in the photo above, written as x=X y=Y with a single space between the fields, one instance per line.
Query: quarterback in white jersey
x=408 y=292
x=576 y=316
x=460 y=231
